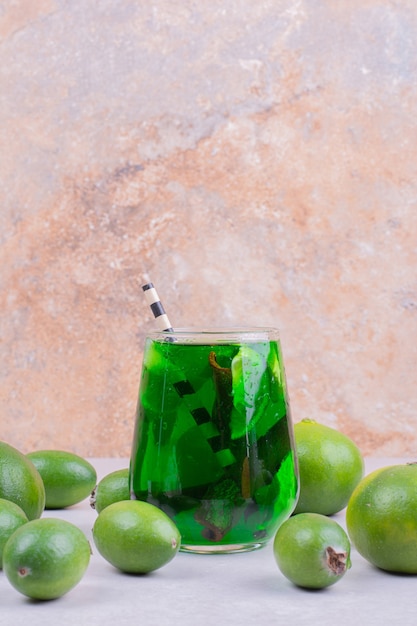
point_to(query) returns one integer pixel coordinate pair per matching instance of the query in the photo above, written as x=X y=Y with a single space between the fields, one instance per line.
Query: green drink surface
x=213 y=443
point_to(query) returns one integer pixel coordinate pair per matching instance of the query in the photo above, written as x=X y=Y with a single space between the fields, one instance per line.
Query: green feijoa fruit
x=45 y=558
x=330 y=466
x=67 y=477
x=20 y=481
x=11 y=518
x=381 y=518
x=312 y=550
x=135 y=536
x=114 y=487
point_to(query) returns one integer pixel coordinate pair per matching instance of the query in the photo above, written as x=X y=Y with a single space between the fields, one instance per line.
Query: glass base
x=221 y=549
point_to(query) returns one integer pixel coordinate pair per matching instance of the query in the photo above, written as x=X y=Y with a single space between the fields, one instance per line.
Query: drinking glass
x=213 y=443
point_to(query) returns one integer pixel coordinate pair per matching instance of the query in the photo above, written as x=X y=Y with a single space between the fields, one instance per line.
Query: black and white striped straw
x=157 y=308
x=184 y=388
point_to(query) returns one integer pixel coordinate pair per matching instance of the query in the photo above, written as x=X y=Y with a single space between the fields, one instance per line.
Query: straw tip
x=147 y=286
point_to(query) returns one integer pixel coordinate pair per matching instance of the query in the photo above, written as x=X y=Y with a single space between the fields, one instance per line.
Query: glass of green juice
x=213 y=443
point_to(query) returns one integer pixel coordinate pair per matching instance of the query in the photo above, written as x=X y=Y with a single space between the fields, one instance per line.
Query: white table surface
x=213 y=590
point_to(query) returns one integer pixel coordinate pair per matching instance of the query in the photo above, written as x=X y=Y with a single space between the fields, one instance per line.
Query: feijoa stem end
x=337 y=562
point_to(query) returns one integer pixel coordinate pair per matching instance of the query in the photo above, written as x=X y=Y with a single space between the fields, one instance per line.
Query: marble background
x=256 y=160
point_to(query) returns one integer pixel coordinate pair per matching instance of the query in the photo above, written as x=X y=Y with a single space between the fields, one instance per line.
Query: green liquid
x=213 y=443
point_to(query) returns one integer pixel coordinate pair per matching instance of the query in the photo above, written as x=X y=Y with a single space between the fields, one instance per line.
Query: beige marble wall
x=256 y=160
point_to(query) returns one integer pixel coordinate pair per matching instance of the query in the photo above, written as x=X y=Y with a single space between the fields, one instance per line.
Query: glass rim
x=220 y=332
